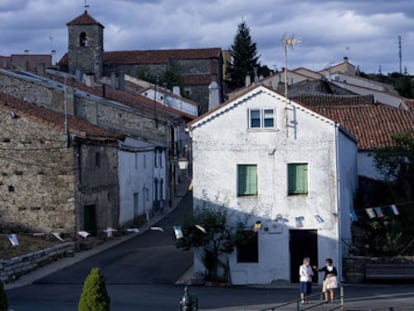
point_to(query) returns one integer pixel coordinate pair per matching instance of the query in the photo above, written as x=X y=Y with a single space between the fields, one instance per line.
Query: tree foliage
x=4 y=304
x=94 y=295
x=207 y=229
x=389 y=234
x=244 y=57
x=169 y=78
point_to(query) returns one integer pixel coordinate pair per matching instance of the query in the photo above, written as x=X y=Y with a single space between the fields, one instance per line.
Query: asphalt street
x=141 y=274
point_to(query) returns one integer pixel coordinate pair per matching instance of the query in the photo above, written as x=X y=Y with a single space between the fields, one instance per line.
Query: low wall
x=12 y=269
x=354 y=266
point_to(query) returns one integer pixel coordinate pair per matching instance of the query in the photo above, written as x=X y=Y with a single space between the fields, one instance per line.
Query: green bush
x=4 y=305
x=94 y=295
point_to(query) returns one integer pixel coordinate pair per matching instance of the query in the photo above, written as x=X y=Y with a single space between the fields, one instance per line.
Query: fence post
x=341 y=293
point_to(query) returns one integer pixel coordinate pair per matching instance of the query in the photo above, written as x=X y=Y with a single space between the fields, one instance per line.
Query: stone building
x=157 y=128
x=198 y=67
x=54 y=181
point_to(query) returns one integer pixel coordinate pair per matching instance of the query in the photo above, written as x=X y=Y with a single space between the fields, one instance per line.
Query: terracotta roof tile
x=137 y=101
x=55 y=120
x=158 y=56
x=372 y=125
x=84 y=19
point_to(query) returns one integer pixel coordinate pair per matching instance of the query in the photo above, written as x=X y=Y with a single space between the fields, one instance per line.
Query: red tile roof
x=139 y=102
x=84 y=19
x=76 y=126
x=158 y=56
x=373 y=125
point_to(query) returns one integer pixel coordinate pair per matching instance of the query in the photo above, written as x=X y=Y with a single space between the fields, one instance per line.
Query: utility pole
x=400 y=53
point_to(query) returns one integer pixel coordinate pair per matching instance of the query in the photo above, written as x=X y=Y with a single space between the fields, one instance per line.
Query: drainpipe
x=338 y=198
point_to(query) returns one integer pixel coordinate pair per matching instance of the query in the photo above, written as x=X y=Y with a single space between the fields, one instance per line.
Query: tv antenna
x=86 y=5
x=287 y=40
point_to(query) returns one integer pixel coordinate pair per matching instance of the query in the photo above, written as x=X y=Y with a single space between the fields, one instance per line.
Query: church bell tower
x=85 y=51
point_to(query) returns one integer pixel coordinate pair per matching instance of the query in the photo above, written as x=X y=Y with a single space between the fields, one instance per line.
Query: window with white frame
x=261 y=118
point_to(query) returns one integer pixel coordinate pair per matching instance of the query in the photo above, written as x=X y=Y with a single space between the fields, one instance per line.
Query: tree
x=169 y=78
x=244 y=57
x=397 y=165
x=4 y=304
x=94 y=295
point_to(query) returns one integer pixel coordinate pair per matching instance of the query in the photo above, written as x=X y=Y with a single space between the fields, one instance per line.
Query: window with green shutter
x=246 y=180
x=297 y=178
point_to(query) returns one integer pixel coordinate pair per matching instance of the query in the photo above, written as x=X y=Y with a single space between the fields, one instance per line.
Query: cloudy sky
x=364 y=30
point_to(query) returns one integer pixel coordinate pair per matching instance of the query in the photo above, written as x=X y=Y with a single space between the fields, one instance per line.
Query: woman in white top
x=305 y=278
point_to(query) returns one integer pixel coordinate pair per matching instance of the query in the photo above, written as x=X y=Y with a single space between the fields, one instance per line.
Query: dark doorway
x=302 y=243
x=89 y=219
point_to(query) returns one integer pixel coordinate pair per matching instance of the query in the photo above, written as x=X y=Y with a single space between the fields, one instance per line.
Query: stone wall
x=354 y=266
x=37 y=176
x=95 y=110
x=12 y=269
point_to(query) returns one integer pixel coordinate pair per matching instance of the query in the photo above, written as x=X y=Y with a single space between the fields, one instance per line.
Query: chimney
x=214 y=95
x=113 y=80
x=90 y=80
x=247 y=81
x=176 y=90
x=121 y=81
x=345 y=59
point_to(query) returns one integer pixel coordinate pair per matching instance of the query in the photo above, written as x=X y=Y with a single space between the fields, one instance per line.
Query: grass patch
x=27 y=244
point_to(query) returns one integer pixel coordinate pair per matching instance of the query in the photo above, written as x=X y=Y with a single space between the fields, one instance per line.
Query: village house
x=197 y=67
x=371 y=123
x=274 y=162
x=65 y=174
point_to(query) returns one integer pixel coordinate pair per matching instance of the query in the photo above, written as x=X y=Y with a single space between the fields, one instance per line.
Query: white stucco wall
x=223 y=140
x=136 y=175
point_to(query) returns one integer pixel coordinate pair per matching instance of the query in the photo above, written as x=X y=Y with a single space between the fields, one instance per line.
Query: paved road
x=141 y=273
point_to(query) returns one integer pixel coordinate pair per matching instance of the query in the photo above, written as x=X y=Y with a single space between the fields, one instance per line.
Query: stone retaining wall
x=14 y=268
x=354 y=266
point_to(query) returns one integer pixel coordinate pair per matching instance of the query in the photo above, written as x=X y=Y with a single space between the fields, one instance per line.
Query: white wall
x=136 y=170
x=223 y=140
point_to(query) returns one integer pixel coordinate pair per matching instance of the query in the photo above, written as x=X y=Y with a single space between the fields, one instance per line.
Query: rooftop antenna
x=86 y=6
x=287 y=40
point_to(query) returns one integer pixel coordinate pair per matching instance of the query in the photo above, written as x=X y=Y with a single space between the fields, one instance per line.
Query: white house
x=142 y=179
x=278 y=163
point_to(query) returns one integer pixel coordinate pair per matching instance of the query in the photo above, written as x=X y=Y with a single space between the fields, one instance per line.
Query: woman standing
x=305 y=278
x=329 y=280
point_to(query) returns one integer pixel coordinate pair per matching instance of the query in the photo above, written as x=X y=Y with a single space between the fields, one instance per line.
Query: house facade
x=52 y=180
x=143 y=180
x=286 y=173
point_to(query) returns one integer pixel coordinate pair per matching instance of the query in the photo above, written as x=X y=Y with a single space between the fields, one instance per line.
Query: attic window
x=83 y=39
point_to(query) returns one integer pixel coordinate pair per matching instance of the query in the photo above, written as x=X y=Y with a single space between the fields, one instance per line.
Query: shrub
x=94 y=295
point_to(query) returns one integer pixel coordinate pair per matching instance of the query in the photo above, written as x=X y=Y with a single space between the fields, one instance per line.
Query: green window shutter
x=246 y=180
x=298 y=178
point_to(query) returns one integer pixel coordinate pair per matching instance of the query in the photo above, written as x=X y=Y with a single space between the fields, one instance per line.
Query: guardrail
x=321 y=305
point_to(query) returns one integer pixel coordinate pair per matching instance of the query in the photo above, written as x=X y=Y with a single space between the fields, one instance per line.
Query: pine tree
x=4 y=305
x=94 y=295
x=244 y=57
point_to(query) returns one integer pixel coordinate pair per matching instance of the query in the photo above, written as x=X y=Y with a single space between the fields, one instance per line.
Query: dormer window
x=83 y=39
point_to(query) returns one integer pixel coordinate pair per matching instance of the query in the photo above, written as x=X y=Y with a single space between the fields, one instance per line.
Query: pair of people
x=329 y=281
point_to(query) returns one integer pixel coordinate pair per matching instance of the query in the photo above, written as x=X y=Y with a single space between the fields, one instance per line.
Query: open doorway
x=302 y=243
